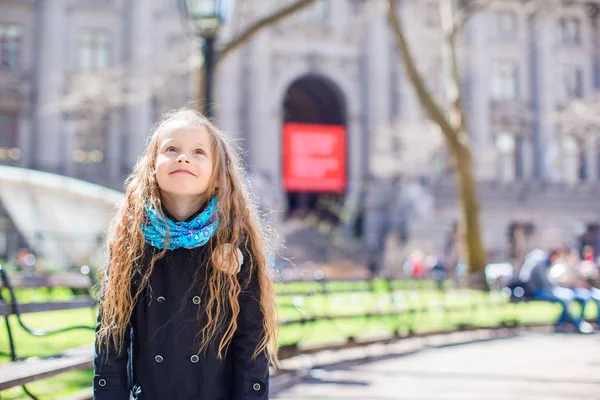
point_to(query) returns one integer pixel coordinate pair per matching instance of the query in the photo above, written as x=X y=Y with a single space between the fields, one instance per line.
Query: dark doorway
x=314 y=100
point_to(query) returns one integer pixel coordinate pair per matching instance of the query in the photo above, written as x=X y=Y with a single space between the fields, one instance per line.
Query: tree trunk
x=469 y=204
x=452 y=124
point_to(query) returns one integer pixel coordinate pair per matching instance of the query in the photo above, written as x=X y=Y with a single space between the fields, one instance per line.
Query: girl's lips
x=182 y=171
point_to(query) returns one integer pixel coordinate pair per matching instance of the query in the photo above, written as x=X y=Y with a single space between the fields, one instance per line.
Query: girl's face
x=184 y=163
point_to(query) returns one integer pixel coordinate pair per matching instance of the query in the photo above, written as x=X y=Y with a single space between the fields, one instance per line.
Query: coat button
x=160 y=299
x=196 y=300
x=194 y=358
x=158 y=358
x=256 y=387
x=102 y=382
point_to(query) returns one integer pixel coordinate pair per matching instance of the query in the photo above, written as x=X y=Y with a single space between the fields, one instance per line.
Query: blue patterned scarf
x=173 y=235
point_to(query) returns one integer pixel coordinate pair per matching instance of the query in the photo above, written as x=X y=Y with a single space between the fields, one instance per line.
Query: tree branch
x=260 y=24
x=457 y=116
x=465 y=13
x=435 y=112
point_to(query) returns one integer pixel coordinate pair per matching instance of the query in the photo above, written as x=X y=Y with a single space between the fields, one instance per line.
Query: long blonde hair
x=239 y=225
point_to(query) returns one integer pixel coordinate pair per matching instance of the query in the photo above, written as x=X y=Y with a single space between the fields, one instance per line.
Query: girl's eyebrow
x=171 y=141
x=165 y=143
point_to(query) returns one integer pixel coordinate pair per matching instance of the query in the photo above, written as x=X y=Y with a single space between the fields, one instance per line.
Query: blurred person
x=588 y=254
x=439 y=271
x=416 y=265
x=583 y=277
x=187 y=307
x=566 y=274
x=536 y=273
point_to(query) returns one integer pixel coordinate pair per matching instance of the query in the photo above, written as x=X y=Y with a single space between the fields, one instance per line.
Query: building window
x=570 y=83
x=569 y=31
x=504 y=25
x=597 y=166
x=572 y=154
x=354 y=6
x=506 y=145
x=318 y=12
x=9 y=146
x=432 y=15
x=93 y=49
x=505 y=80
x=582 y=164
x=519 y=149
x=11 y=40
x=597 y=73
x=90 y=143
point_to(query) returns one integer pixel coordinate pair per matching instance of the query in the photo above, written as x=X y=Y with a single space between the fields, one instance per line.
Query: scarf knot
x=161 y=233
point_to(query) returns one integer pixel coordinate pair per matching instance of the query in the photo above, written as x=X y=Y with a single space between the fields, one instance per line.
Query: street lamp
x=206 y=17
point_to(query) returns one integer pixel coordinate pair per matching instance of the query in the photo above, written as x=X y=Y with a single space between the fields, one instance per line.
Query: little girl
x=187 y=308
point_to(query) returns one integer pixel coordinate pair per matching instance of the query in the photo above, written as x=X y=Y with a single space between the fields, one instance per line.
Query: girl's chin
x=182 y=192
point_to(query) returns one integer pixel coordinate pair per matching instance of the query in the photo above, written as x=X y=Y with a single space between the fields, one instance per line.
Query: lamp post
x=206 y=17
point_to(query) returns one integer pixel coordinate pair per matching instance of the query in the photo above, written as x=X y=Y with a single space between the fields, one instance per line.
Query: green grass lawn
x=309 y=304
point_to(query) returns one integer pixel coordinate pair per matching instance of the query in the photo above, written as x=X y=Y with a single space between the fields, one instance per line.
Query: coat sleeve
x=251 y=375
x=110 y=368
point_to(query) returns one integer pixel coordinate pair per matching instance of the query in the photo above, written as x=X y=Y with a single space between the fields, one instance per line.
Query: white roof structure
x=71 y=213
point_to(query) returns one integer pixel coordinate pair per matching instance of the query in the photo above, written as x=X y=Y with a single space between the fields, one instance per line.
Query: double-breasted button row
x=158 y=358
x=196 y=299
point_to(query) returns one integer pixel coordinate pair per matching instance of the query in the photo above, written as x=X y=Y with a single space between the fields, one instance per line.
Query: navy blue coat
x=161 y=361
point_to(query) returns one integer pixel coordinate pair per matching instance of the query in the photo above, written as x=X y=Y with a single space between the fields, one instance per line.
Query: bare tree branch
x=262 y=23
x=465 y=13
x=434 y=110
x=453 y=129
x=457 y=116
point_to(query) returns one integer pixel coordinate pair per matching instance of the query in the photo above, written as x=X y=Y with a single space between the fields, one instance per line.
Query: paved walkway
x=531 y=366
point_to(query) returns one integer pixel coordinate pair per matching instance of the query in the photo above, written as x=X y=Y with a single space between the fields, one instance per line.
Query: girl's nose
x=182 y=158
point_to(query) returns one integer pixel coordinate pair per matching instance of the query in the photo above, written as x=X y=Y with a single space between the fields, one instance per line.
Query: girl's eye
x=171 y=149
x=198 y=151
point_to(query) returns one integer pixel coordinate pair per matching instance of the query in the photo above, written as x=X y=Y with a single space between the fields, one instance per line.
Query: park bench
x=21 y=371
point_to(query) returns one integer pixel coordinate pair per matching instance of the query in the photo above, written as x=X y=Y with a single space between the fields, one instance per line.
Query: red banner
x=314 y=158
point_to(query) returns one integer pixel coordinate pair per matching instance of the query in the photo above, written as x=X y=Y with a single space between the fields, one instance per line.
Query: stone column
x=141 y=60
x=114 y=156
x=228 y=94
x=377 y=60
x=543 y=32
x=479 y=106
x=51 y=83
x=264 y=136
x=410 y=108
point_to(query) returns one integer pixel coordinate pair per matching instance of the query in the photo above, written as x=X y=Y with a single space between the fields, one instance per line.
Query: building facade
x=334 y=63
